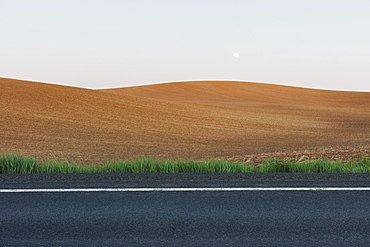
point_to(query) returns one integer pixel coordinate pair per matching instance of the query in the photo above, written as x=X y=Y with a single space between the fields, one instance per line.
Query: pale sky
x=116 y=43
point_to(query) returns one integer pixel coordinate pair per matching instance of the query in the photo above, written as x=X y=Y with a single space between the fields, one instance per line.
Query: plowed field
x=199 y=120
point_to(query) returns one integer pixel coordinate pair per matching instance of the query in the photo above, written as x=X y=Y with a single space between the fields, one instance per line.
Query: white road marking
x=187 y=189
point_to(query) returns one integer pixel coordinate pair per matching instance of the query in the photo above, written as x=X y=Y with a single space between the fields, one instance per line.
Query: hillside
x=200 y=120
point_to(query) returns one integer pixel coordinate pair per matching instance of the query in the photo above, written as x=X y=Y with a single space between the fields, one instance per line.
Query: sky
x=117 y=43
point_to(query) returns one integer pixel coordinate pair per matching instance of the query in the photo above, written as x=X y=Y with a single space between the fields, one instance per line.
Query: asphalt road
x=185 y=218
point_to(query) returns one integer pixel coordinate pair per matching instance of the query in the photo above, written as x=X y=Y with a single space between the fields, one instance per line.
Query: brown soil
x=200 y=120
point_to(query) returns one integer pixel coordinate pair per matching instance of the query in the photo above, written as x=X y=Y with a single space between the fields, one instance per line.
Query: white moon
x=236 y=54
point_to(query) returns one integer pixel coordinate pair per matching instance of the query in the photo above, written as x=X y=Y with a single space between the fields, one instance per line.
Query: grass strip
x=16 y=164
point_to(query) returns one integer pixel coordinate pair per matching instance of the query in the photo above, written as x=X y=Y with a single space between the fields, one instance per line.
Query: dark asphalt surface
x=243 y=218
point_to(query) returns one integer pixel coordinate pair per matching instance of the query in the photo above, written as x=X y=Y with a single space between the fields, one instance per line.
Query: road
x=185 y=218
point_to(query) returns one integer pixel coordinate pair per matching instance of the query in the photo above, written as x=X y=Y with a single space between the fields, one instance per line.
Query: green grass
x=16 y=164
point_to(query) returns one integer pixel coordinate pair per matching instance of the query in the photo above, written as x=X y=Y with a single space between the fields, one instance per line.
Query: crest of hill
x=234 y=93
x=199 y=120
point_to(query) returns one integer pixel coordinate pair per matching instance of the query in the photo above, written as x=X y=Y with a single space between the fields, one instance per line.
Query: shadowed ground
x=200 y=120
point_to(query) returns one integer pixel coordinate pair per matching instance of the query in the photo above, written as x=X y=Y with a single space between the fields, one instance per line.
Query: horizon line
x=192 y=80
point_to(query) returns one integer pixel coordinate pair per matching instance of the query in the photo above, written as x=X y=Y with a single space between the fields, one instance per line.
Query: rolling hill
x=198 y=119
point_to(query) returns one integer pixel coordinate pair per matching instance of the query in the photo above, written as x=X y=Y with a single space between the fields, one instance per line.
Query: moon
x=236 y=54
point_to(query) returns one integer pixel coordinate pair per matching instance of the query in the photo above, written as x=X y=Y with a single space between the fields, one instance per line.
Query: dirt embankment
x=200 y=120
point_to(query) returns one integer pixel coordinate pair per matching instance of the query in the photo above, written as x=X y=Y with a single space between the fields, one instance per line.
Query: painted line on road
x=186 y=189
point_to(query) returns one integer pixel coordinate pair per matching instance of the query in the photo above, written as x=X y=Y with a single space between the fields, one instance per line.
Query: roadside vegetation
x=16 y=164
